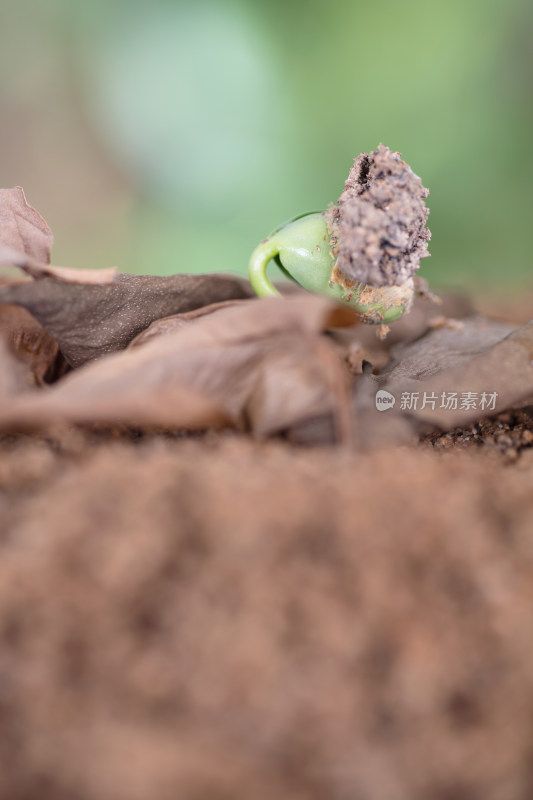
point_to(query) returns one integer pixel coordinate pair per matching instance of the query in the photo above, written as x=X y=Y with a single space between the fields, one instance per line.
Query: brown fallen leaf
x=91 y=321
x=261 y=364
x=443 y=347
x=481 y=359
x=174 y=323
x=298 y=387
x=505 y=370
x=22 y=228
x=305 y=313
x=32 y=345
x=267 y=404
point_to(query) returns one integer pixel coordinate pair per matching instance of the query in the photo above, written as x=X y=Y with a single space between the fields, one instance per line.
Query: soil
x=213 y=616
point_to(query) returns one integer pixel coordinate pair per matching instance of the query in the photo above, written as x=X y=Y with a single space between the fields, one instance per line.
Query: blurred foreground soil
x=217 y=617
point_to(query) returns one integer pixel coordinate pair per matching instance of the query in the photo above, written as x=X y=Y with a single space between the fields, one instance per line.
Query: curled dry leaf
x=22 y=228
x=26 y=241
x=91 y=321
x=32 y=345
x=260 y=364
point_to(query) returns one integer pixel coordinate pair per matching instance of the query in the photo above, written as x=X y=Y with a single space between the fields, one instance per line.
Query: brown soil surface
x=213 y=616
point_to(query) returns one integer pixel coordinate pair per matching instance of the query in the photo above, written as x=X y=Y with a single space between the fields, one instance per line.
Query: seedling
x=362 y=251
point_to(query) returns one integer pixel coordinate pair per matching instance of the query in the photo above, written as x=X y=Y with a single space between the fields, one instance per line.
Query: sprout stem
x=262 y=254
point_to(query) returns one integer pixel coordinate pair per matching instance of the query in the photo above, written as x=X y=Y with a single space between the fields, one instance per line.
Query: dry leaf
x=166 y=325
x=91 y=321
x=26 y=240
x=38 y=269
x=481 y=357
x=261 y=364
x=444 y=347
x=273 y=400
x=22 y=228
x=505 y=369
x=32 y=345
x=305 y=313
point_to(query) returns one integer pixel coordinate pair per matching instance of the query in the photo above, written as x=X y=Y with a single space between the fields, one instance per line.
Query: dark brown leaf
x=91 y=321
x=22 y=227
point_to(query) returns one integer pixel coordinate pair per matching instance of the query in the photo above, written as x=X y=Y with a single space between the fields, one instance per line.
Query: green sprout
x=364 y=250
x=301 y=248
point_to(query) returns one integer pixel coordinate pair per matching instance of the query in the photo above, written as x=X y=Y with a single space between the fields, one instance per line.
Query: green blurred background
x=168 y=136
